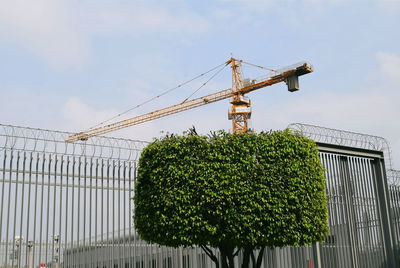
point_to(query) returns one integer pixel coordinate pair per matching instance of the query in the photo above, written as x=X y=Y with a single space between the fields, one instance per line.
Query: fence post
x=316 y=255
x=384 y=206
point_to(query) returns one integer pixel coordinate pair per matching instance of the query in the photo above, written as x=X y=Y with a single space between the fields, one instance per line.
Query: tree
x=232 y=192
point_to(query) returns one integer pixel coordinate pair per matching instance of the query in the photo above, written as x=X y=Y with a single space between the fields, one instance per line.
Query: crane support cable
x=162 y=94
x=280 y=75
x=258 y=66
x=205 y=83
x=190 y=104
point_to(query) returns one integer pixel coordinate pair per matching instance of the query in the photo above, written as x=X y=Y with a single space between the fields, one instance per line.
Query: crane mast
x=240 y=111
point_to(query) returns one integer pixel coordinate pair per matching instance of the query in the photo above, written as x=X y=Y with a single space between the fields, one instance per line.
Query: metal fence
x=394 y=191
x=356 y=236
x=69 y=205
x=56 y=196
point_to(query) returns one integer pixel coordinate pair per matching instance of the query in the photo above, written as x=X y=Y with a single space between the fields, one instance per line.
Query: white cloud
x=142 y=18
x=271 y=5
x=373 y=110
x=60 y=31
x=80 y=116
x=46 y=28
x=252 y=4
x=324 y=2
x=389 y=65
x=388 y=5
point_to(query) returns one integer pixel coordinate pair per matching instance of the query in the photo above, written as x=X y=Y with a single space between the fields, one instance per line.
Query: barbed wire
x=351 y=139
x=50 y=141
x=393 y=177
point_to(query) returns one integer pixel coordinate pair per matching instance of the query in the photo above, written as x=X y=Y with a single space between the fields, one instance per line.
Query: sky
x=71 y=64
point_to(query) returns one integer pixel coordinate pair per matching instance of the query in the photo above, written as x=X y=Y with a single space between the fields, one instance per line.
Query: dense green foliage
x=245 y=190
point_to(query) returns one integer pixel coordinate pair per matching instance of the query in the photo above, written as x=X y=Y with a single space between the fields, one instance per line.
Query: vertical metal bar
x=48 y=209
x=102 y=205
x=113 y=215
x=346 y=235
x=73 y=255
x=364 y=208
x=84 y=247
x=53 y=257
x=91 y=248
x=333 y=204
x=353 y=186
x=9 y=206
x=108 y=210
x=284 y=257
x=120 y=239
x=61 y=210
x=78 y=211
x=378 y=236
x=125 y=199
x=371 y=197
x=22 y=208
x=340 y=212
x=36 y=207
x=96 y=208
x=297 y=251
x=83 y=236
x=349 y=208
x=325 y=255
x=378 y=232
x=2 y=205
x=393 y=205
x=362 y=197
x=67 y=262
x=396 y=208
x=29 y=210
x=385 y=213
x=364 y=233
x=14 y=248
x=396 y=201
x=130 y=213
x=41 y=209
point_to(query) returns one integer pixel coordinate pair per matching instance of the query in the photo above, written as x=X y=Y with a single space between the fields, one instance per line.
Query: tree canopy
x=231 y=191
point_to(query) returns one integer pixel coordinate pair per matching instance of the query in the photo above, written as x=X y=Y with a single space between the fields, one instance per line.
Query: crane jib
x=275 y=77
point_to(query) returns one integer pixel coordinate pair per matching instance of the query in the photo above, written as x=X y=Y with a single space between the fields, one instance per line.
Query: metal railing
x=394 y=192
x=69 y=205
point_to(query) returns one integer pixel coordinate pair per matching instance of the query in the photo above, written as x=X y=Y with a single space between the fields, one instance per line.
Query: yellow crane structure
x=240 y=111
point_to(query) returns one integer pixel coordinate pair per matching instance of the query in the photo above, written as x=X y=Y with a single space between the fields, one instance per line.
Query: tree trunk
x=223 y=259
x=259 y=258
x=227 y=256
x=211 y=255
x=246 y=258
x=231 y=262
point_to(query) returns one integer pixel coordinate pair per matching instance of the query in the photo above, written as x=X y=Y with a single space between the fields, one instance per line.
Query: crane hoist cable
x=223 y=65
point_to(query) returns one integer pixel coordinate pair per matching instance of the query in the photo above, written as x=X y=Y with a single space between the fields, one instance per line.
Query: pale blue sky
x=69 y=64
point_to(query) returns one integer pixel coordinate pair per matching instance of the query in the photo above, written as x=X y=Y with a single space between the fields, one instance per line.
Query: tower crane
x=240 y=110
